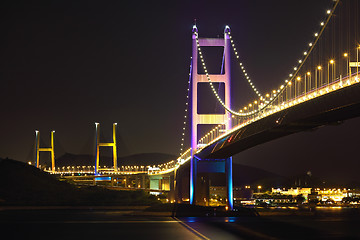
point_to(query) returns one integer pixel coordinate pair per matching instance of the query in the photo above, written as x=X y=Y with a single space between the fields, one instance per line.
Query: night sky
x=67 y=64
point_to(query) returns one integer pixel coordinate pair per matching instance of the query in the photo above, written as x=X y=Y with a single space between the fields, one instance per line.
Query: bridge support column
x=140 y=181
x=112 y=181
x=229 y=183
x=211 y=166
x=193 y=176
x=126 y=181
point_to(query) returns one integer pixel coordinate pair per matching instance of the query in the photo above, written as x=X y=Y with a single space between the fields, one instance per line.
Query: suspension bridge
x=321 y=89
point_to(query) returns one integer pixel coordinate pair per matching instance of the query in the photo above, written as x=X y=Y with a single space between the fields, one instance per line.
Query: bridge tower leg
x=197 y=119
x=100 y=144
x=50 y=149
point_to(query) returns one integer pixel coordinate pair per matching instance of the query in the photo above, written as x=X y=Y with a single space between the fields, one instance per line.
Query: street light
x=289 y=83
x=331 y=62
x=309 y=78
x=318 y=69
x=298 y=79
x=348 y=69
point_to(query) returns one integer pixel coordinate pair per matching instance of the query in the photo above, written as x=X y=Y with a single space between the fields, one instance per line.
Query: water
x=90 y=223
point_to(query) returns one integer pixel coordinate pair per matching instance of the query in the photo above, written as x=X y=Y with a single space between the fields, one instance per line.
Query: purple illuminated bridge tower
x=198 y=165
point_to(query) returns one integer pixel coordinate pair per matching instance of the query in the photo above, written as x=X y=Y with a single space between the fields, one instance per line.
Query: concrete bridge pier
x=200 y=185
x=140 y=181
x=126 y=181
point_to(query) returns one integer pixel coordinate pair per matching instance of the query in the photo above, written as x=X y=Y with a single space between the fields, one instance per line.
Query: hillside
x=246 y=175
x=22 y=184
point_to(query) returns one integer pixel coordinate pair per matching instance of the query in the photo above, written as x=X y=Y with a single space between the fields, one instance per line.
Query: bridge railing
x=122 y=170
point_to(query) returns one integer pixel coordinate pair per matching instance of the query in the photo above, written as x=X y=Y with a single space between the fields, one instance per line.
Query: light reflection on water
x=330 y=207
x=191 y=219
x=230 y=219
x=209 y=219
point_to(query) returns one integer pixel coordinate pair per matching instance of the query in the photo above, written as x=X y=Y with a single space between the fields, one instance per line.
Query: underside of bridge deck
x=329 y=109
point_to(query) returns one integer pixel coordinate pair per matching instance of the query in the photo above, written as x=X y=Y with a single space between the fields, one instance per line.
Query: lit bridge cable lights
x=270 y=103
x=246 y=75
x=286 y=96
x=208 y=76
x=282 y=88
x=306 y=54
x=186 y=109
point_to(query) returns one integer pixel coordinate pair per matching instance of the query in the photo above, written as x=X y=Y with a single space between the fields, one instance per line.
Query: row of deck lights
x=268 y=97
x=319 y=84
x=250 y=108
x=92 y=168
x=214 y=133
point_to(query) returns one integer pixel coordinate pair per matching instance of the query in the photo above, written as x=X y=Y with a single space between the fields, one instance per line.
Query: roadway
x=95 y=223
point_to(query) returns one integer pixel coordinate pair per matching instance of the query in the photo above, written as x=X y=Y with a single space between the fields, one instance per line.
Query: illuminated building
x=292 y=191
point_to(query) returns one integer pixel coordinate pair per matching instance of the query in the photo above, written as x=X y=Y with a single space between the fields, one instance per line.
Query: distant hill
x=143 y=159
x=246 y=175
x=22 y=184
x=307 y=180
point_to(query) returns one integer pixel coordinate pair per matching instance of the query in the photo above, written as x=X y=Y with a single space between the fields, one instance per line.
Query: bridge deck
x=330 y=108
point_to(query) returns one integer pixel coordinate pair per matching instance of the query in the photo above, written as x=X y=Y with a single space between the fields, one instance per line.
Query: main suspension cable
x=282 y=87
x=246 y=75
x=186 y=108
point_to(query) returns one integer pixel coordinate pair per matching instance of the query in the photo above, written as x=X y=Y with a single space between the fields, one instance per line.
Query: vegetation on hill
x=22 y=184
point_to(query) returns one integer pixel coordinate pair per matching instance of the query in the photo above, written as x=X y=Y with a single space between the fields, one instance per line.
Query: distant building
x=218 y=194
x=323 y=195
x=335 y=194
x=278 y=196
x=292 y=191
